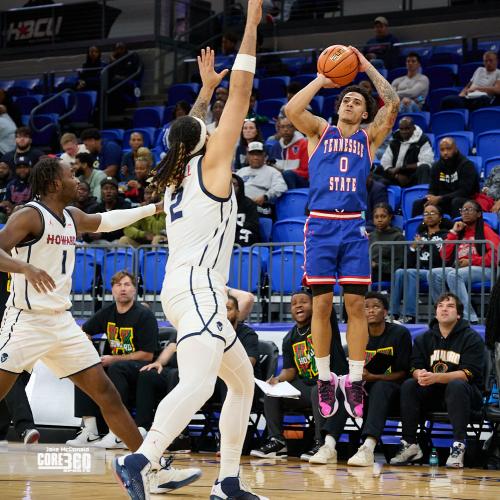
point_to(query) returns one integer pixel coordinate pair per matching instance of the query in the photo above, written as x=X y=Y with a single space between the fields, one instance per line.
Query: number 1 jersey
x=338 y=170
x=200 y=226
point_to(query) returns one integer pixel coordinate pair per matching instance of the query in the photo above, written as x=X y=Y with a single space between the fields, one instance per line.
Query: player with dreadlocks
x=37 y=323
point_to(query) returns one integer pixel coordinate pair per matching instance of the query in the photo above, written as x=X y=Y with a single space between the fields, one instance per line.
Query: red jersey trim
x=320 y=214
x=320 y=139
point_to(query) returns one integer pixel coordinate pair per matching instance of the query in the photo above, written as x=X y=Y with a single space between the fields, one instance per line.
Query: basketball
x=339 y=63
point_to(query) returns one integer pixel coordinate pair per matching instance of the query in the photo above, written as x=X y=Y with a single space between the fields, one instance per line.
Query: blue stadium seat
x=168 y=115
x=27 y=102
x=478 y=164
x=465 y=72
x=436 y=96
x=329 y=106
x=223 y=62
x=485 y=119
x=294 y=64
x=151 y=116
x=292 y=203
x=431 y=138
x=66 y=82
x=487 y=143
x=245 y=270
x=116 y=260
x=411 y=226
x=317 y=104
x=289 y=230
x=442 y=75
x=152 y=268
x=492 y=220
x=286 y=270
x=58 y=105
x=157 y=154
x=266 y=227
x=443 y=54
x=270 y=107
x=267 y=129
x=304 y=79
x=85 y=106
x=183 y=92
x=50 y=128
x=84 y=271
x=452 y=120
x=420 y=118
x=398 y=221
x=394 y=197
x=425 y=53
x=464 y=140
x=409 y=195
x=148 y=133
x=490 y=164
x=396 y=73
x=272 y=87
x=6 y=84
x=113 y=134
x=23 y=87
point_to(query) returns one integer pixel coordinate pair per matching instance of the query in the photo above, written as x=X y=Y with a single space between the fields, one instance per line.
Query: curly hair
x=370 y=103
x=43 y=176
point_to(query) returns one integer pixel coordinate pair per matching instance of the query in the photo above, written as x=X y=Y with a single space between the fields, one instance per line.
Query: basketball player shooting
x=336 y=243
x=201 y=218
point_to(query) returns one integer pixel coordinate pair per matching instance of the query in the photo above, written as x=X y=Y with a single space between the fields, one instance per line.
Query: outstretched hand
x=206 y=64
x=38 y=279
x=363 y=61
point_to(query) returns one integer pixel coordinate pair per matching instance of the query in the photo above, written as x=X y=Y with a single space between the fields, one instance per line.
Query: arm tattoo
x=389 y=112
x=200 y=108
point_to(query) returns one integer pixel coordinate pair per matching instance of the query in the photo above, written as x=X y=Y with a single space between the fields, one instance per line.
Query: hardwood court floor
x=20 y=478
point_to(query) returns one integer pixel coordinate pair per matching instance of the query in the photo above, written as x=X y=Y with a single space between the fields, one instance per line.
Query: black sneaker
x=273 y=448
x=308 y=454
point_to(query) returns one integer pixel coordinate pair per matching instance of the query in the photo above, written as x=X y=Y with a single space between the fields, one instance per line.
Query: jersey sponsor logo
x=341 y=145
x=60 y=239
x=339 y=183
x=42 y=27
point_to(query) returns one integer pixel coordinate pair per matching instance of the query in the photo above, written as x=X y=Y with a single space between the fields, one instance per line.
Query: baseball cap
x=109 y=180
x=381 y=20
x=255 y=146
x=23 y=160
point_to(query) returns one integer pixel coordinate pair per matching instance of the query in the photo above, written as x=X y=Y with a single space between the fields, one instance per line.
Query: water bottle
x=434 y=458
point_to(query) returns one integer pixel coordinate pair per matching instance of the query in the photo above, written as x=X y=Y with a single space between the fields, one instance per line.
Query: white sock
x=90 y=423
x=330 y=441
x=323 y=365
x=356 y=370
x=370 y=443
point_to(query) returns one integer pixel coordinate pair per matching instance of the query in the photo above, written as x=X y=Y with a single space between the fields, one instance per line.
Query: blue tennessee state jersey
x=338 y=169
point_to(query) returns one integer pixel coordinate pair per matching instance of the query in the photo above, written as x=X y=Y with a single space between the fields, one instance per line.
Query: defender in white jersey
x=201 y=220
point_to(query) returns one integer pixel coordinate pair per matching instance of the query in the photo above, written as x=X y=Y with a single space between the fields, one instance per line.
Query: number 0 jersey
x=338 y=169
x=200 y=226
x=54 y=252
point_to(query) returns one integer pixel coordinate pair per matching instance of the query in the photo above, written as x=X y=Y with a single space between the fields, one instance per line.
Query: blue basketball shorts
x=336 y=249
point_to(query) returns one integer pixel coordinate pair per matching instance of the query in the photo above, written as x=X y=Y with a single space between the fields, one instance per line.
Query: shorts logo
x=3 y=357
x=219 y=326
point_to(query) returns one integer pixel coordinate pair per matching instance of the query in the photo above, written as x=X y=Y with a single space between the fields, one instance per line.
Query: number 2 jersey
x=54 y=252
x=338 y=170
x=200 y=226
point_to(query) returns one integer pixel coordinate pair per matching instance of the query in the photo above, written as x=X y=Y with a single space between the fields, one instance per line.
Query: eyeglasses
x=427 y=214
x=467 y=210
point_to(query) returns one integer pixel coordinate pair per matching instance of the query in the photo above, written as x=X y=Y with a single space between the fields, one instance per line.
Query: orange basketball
x=338 y=63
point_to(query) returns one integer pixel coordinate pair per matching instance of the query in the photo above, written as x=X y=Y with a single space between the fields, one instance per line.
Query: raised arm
x=386 y=117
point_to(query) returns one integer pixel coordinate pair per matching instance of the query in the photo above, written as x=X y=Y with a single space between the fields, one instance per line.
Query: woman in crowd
x=249 y=133
x=90 y=75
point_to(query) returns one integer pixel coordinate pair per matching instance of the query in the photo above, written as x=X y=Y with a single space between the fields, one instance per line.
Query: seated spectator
x=84 y=200
x=110 y=201
x=132 y=338
x=217 y=109
x=108 y=153
x=446 y=366
x=291 y=156
x=250 y=132
x=11 y=107
x=377 y=193
x=382 y=384
x=147 y=231
x=89 y=77
x=136 y=141
x=299 y=369
x=247 y=221
x=5 y=178
x=433 y=228
x=134 y=190
x=454 y=180
x=23 y=148
x=221 y=93
x=482 y=90
x=412 y=88
x=491 y=188
x=263 y=183
x=19 y=189
x=385 y=258
x=381 y=45
x=252 y=113
x=408 y=159
x=181 y=108
x=69 y=144
x=291 y=89
x=470 y=260
x=84 y=164
x=7 y=131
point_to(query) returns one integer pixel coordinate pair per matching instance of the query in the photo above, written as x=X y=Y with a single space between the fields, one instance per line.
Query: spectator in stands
x=470 y=260
x=181 y=108
x=368 y=86
x=299 y=369
x=19 y=189
x=11 y=107
x=385 y=258
x=453 y=181
x=291 y=156
x=110 y=201
x=5 y=178
x=421 y=258
x=135 y=141
x=147 y=231
x=291 y=89
x=221 y=93
x=23 y=148
x=247 y=221
x=134 y=190
x=412 y=88
x=132 y=338
x=69 y=144
x=408 y=158
x=492 y=188
x=86 y=172
x=84 y=200
x=89 y=77
x=446 y=367
x=377 y=193
x=381 y=46
x=387 y=364
x=263 y=183
x=108 y=153
x=7 y=131
x=217 y=109
x=483 y=88
x=249 y=133
x=229 y=43
x=252 y=113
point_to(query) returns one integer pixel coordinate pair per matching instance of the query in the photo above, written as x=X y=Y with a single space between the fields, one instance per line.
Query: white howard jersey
x=200 y=226
x=54 y=252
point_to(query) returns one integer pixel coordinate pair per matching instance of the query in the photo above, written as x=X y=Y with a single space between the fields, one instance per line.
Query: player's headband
x=199 y=144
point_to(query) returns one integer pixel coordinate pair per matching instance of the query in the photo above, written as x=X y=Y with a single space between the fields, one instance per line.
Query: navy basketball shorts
x=336 y=249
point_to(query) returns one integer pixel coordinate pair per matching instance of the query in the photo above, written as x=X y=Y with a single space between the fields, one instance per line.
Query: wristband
x=245 y=62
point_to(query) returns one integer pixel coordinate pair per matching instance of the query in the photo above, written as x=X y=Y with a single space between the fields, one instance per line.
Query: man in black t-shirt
x=132 y=338
x=299 y=369
x=387 y=365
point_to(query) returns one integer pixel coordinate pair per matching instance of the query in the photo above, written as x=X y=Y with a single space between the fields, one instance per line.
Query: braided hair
x=44 y=175
x=479 y=232
x=183 y=136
